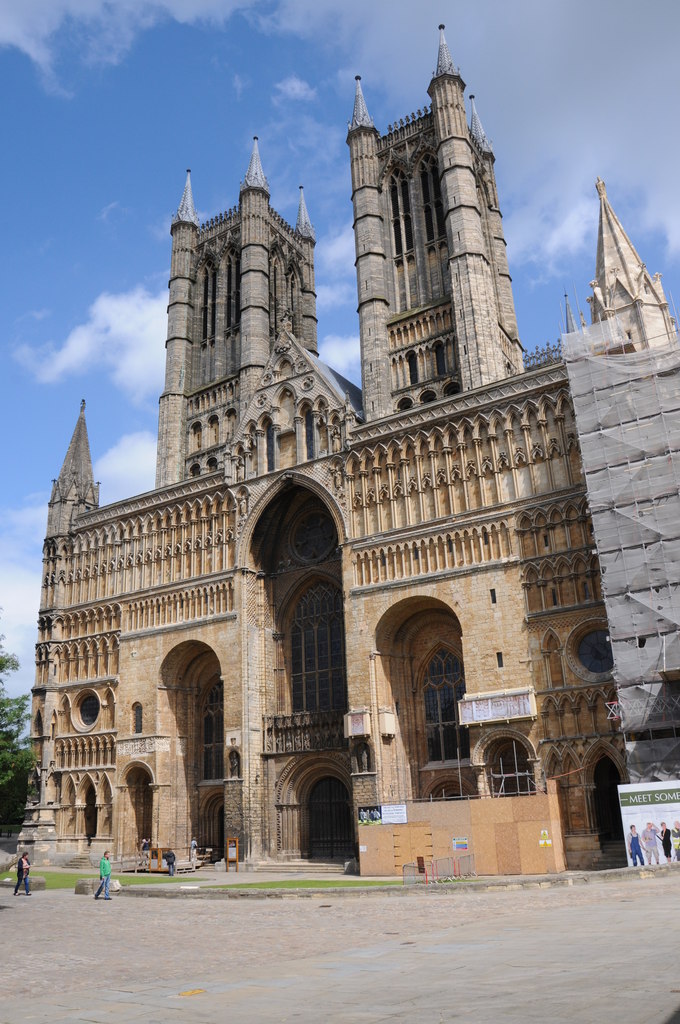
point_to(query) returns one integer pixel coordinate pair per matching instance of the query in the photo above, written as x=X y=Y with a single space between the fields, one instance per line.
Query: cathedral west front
x=334 y=597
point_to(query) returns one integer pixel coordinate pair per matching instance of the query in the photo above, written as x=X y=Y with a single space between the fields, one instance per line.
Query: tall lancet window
x=232 y=303
x=317 y=644
x=402 y=239
x=209 y=305
x=213 y=733
x=444 y=685
x=433 y=209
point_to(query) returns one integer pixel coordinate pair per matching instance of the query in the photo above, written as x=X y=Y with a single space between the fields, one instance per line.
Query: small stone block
x=36 y=883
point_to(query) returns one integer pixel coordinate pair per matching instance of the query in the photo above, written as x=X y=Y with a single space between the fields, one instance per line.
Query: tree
x=16 y=755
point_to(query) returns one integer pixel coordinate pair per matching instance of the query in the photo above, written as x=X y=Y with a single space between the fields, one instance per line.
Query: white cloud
x=104 y=30
x=293 y=88
x=22 y=531
x=332 y=296
x=335 y=252
x=127 y=468
x=342 y=354
x=123 y=334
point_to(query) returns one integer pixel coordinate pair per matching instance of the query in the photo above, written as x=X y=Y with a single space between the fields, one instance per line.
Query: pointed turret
x=445 y=65
x=255 y=177
x=171 y=411
x=476 y=130
x=623 y=287
x=186 y=211
x=569 y=316
x=303 y=225
x=360 y=115
x=74 y=490
x=305 y=230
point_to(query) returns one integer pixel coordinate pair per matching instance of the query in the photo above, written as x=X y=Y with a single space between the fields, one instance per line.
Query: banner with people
x=650 y=812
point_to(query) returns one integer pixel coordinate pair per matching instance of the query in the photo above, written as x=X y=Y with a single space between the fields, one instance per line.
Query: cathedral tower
x=233 y=281
x=435 y=298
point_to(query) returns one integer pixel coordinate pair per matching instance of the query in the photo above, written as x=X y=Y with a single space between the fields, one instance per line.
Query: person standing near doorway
x=104 y=876
x=170 y=861
x=23 y=869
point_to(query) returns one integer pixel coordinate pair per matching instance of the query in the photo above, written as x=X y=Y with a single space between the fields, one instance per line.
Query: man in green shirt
x=105 y=876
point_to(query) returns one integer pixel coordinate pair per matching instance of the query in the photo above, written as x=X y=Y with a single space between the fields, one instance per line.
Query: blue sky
x=107 y=103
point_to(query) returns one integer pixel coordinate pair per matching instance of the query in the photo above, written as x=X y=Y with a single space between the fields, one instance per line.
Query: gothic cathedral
x=334 y=598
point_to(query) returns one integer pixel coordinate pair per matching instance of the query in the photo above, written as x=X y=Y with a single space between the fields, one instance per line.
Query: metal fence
x=442 y=869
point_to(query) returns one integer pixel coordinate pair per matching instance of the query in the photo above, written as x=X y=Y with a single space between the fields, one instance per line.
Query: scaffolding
x=627 y=407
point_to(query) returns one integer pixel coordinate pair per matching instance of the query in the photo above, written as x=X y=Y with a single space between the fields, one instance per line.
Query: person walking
x=170 y=861
x=193 y=853
x=105 y=876
x=23 y=869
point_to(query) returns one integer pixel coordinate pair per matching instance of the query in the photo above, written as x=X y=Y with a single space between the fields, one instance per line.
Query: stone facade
x=333 y=599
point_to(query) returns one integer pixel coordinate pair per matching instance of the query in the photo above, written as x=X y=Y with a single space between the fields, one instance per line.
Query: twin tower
x=436 y=311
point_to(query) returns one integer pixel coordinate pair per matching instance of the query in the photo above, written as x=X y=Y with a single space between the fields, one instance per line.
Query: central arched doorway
x=331 y=833
x=606 y=779
x=140 y=803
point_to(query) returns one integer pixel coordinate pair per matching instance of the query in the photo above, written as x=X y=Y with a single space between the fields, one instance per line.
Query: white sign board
x=489 y=708
x=394 y=814
x=650 y=812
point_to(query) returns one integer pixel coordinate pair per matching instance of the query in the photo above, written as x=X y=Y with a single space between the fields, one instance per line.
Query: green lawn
x=309 y=883
x=67 y=880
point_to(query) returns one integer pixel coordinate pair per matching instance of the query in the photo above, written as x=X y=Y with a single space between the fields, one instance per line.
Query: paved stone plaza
x=603 y=951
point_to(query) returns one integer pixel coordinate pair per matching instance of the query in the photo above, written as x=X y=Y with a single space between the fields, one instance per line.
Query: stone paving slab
x=604 y=951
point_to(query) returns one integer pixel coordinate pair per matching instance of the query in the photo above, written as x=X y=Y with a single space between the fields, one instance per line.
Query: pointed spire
x=186 y=211
x=74 y=490
x=617 y=257
x=255 y=175
x=569 y=316
x=360 y=115
x=77 y=467
x=445 y=65
x=476 y=130
x=303 y=225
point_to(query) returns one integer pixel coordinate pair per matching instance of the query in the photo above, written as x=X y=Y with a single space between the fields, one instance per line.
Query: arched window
x=439 y=359
x=213 y=733
x=401 y=214
x=137 y=718
x=213 y=430
x=309 y=433
x=318 y=651
x=271 y=462
x=444 y=685
x=412 y=361
x=433 y=209
x=232 y=306
x=209 y=311
x=509 y=770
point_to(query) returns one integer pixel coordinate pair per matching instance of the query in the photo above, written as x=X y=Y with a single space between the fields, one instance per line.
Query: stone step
x=80 y=862
x=316 y=867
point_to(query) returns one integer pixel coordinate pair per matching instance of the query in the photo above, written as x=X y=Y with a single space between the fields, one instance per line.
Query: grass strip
x=309 y=883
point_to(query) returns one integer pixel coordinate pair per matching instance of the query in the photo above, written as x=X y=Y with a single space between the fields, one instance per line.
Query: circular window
x=595 y=652
x=314 y=538
x=89 y=709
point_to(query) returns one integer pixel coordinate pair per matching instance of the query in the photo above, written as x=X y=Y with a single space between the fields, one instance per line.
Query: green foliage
x=16 y=755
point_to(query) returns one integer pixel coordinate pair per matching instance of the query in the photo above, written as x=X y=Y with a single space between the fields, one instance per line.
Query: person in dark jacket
x=23 y=868
x=170 y=861
x=666 y=841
